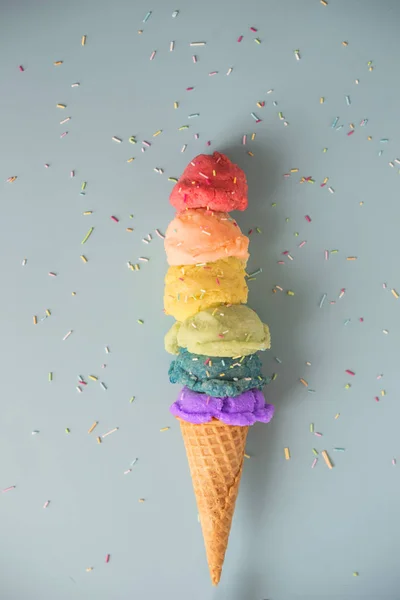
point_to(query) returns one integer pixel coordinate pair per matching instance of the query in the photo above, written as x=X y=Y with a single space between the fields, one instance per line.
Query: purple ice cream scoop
x=245 y=409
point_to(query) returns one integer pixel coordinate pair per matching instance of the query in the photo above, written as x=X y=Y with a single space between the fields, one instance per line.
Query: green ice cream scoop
x=223 y=331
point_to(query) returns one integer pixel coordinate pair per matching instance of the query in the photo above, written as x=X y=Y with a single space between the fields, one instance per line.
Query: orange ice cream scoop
x=211 y=181
x=200 y=236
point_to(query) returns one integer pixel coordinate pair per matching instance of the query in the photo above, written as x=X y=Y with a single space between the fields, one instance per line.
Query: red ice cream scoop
x=211 y=181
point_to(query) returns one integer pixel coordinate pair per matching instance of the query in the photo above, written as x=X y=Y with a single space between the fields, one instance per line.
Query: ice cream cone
x=215 y=452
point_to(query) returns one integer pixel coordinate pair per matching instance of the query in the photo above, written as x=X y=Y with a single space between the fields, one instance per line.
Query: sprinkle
x=340 y=449
x=87 y=236
x=110 y=432
x=315 y=452
x=165 y=429
x=66 y=336
x=229 y=71
x=394 y=462
x=395 y=294
x=337 y=415
x=311 y=427
x=93 y=427
x=89 y=569
x=67 y=430
x=240 y=38
x=34 y=319
x=12 y=487
x=98 y=439
x=321 y=100
x=257 y=40
x=287 y=453
x=160 y=234
x=62 y=123
x=355 y=574
x=61 y=106
x=307 y=218
x=290 y=293
x=52 y=274
x=314 y=462
x=197 y=43
x=152 y=55
x=327 y=459
x=171 y=46
x=334 y=122
x=304 y=382
x=332 y=191
x=350 y=372
x=75 y=84
x=323 y=298
x=50 y=376
x=45 y=505
x=175 y=14
x=317 y=434
x=64 y=134
x=84 y=258
x=57 y=63
x=255 y=273
x=21 y=68
x=348 y=101
x=83 y=40
x=103 y=386
x=297 y=54
x=147 y=17
x=140 y=321
x=114 y=219
x=386 y=331
x=116 y=139
x=93 y=377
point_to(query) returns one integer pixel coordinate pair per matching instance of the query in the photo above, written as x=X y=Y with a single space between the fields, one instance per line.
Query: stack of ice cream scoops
x=215 y=339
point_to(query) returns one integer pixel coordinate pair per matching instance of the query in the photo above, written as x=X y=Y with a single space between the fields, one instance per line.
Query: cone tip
x=215 y=576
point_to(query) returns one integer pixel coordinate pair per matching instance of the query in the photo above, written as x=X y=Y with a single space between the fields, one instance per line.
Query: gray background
x=297 y=532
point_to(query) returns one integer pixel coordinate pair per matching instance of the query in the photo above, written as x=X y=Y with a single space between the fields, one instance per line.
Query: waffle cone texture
x=215 y=453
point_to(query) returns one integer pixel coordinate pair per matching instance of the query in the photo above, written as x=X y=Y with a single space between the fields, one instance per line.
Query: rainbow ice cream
x=215 y=340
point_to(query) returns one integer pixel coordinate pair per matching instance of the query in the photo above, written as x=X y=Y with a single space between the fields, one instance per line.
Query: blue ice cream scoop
x=216 y=376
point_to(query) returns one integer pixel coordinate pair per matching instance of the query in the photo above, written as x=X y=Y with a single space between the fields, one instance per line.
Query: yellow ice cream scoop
x=222 y=331
x=192 y=288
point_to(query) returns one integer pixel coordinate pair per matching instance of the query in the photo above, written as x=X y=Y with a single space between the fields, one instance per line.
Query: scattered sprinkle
x=327 y=459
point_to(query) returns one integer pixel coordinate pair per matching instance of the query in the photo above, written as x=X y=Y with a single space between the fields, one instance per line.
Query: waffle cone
x=215 y=452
